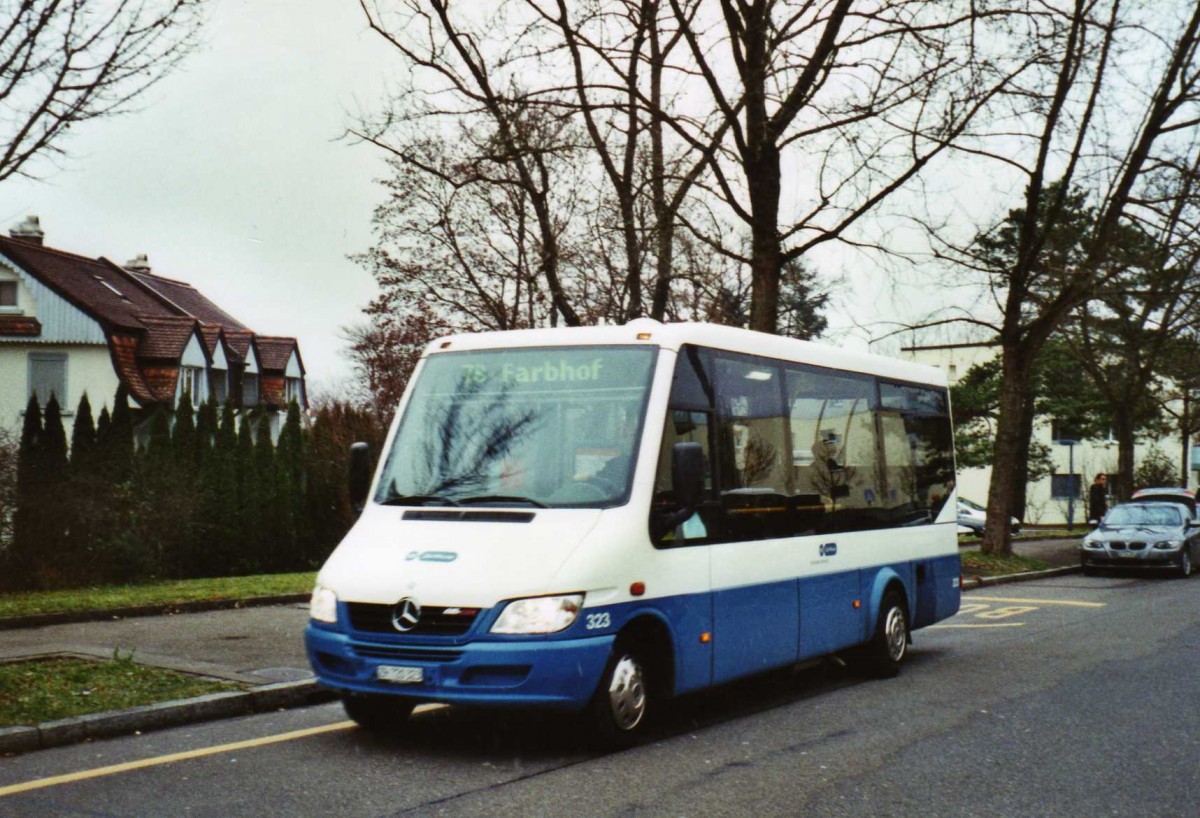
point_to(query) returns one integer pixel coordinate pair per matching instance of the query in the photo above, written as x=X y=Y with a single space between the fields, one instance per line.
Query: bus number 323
x=598 y=620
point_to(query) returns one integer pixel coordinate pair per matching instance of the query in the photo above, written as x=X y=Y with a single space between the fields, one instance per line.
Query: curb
x=280 y=695
x=70 y=617
x=1024 y=576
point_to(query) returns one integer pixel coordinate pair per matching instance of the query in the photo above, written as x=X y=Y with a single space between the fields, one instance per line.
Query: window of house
x=8 y=295
x=294 y=392
x=48 y=376
x=1066 y=486
x=249 y=389
x=220 y=385
x=191 y=380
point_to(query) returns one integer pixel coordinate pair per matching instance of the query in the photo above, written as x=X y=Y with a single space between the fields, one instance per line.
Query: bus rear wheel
x=621 y=706
x=379 y=714
x=884 y=654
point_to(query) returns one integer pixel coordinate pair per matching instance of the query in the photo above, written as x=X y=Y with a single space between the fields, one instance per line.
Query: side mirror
x=687 y=473
x=360 y=475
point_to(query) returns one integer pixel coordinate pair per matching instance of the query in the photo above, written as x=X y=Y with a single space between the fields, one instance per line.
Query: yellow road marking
x=1040 y=601
x=942 y=628
x=100 y=772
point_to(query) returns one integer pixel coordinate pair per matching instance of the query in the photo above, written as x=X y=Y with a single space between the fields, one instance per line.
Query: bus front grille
x=371 y=618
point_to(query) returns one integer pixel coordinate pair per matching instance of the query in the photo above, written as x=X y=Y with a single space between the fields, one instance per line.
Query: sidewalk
x=259 y=646
x=262 y=647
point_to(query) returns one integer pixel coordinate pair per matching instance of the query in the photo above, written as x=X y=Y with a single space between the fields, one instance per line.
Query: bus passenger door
x=756 y=608
x=756 y=616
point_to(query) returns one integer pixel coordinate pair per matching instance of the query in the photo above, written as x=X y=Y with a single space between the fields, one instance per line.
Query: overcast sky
x=231 y=175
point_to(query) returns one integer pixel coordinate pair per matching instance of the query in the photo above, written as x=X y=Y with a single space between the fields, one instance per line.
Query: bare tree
x=1132 y=336
x=1118 y=101
x=64 y=62
x=860 y=97
x=461 y=71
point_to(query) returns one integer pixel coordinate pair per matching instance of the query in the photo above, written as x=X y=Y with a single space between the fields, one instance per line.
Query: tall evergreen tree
x=266 y=531
x=55 y=563
x=118 y=454
x=86 y=493
x=247 y=506
x=83 y=436
x=183 y=437
x=290 y=479
x=27 y=520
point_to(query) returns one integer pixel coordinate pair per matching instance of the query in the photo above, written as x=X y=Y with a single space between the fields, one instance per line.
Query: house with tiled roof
x=70 y=324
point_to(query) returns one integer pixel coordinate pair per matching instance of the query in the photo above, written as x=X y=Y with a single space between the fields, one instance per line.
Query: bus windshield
x=541 y=427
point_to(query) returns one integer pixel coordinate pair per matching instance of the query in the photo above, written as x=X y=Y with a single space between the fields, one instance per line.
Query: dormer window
x=8 y=296
x=294 y=392
x=191 y=379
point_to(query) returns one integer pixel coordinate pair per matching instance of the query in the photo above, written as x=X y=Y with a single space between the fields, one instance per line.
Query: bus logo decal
x=438 y=556
x=406 y=614
x=827 y=549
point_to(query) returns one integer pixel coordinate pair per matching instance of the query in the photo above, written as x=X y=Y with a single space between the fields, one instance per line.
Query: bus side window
x=755 y=482
x=834 y=454
x=918 y=449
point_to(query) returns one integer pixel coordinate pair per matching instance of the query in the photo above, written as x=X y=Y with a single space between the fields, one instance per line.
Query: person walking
x=1098 y=498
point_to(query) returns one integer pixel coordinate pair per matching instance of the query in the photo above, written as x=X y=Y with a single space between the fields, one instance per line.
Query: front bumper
x=547 y=673
x=1148 y=559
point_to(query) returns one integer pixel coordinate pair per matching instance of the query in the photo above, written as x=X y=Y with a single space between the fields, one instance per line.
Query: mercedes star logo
x=406 y=614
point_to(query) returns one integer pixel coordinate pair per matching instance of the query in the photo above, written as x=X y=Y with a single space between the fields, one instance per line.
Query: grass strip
x=49 y=688
x=26 y=603
x=976 y=563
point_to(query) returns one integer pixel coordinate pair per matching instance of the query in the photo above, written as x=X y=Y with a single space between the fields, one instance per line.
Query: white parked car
x=972 y=516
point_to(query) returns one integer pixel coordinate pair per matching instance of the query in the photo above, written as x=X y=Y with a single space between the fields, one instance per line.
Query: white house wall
x=89 y=369
x=293 y=367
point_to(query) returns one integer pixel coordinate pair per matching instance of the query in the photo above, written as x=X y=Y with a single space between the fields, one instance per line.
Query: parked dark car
x=1144 y=533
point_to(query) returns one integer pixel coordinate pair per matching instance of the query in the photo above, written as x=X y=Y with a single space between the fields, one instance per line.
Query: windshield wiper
x=418 y=500
x=503 y=498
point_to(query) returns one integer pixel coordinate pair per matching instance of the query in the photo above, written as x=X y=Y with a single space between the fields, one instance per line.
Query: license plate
x=398 y=674
x=1126 y=554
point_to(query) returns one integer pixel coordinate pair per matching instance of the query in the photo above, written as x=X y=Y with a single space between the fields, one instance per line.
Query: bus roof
x=673 y=336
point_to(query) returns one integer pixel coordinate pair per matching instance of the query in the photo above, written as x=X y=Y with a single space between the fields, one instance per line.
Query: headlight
x=323 y=605
x=543 y=614
x=1090 y=543
x=1169 y=544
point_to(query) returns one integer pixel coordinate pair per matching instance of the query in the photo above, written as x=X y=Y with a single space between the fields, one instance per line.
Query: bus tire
x=884 y=654
x=620 y=708
x=379 y=714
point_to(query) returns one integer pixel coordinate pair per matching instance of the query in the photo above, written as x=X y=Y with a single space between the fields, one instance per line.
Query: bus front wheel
x=620 y=707
x=884 y=654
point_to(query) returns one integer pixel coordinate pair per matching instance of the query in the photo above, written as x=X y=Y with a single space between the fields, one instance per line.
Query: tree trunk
x=1123 y=428
x=1020 y=490
x=1006 y=461
x=766 y=255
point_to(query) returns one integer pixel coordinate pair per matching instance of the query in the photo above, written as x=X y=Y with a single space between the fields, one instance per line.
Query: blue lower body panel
x=551 y=673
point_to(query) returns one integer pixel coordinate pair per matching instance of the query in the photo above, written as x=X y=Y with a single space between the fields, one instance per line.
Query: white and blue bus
x=599 y=518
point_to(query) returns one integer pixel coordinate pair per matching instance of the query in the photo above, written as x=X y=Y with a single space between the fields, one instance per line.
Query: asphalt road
x=1073 y=696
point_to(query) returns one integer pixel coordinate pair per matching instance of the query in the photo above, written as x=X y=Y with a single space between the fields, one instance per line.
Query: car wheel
x=621 y=706
x=379 y=714
x=883 y=655
x=1185 y=563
